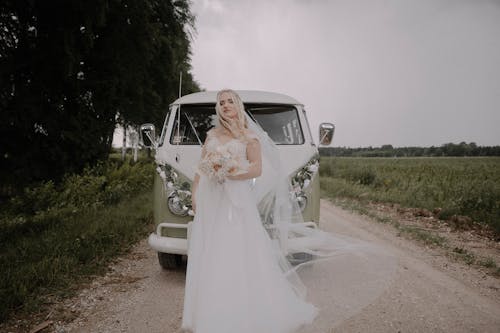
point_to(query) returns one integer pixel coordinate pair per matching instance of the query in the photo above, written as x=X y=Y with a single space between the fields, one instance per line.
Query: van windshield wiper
x=193 y=128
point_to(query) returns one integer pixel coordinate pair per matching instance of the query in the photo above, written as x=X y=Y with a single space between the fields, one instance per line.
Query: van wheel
x=169 y=261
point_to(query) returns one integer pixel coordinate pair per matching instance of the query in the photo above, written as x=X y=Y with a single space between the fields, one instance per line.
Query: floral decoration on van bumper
x=178 y=193
x=302 y=179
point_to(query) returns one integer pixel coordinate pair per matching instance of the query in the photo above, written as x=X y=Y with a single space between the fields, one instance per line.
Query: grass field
x=451 y=186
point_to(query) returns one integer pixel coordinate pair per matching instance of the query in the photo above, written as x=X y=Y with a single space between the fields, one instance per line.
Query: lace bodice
x=235 y=147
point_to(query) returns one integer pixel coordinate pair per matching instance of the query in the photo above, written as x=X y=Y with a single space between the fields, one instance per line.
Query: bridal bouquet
x=217 y=165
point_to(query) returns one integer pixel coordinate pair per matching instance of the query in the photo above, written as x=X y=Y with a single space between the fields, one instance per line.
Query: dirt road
x=427 y=293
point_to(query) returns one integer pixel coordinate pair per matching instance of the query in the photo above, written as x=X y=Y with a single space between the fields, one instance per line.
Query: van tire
x=169 y=261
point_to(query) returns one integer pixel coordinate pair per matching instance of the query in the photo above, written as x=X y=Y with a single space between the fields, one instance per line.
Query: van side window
x=195 y=122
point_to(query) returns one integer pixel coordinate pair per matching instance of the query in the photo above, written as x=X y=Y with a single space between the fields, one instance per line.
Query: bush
x=106 y=183
x=52 y=235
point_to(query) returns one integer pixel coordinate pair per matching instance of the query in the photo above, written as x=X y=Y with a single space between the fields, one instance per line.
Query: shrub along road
x=428 y=292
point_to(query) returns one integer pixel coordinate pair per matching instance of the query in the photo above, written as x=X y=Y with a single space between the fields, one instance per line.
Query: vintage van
x=178 y=150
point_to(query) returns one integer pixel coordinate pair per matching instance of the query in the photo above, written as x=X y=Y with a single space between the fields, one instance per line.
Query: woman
x=234 y=280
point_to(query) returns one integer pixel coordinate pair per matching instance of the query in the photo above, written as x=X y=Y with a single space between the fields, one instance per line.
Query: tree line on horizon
x=448 y=149
x=70 y=71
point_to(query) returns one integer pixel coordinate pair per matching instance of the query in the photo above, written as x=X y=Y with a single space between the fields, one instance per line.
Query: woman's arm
x=255 y=158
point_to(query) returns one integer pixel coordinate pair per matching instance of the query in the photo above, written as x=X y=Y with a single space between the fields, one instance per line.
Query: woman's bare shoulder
x=213 y=131
x=250 y=134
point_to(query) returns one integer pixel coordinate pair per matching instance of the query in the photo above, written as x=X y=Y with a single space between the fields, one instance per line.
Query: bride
x=238 y=278
x=235 y=280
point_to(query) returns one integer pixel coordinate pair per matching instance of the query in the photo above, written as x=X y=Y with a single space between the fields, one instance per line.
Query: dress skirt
x=233 y=280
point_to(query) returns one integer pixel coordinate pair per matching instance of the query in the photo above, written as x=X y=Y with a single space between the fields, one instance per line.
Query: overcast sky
x=400 y=72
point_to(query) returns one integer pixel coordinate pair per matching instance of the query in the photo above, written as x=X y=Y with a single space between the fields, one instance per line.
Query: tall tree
x=68 y=68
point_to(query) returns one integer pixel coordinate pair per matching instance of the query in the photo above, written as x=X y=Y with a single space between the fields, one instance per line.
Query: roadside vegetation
x=55 y=236
x=463 y=193
x=461 y=149
x=449 y=187
x=66 y=85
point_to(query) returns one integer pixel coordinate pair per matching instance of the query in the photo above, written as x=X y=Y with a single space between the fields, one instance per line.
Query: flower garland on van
x=178 y=193
x=303 y=177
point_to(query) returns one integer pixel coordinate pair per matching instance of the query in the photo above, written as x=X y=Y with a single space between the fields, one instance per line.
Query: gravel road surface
x=428 y=292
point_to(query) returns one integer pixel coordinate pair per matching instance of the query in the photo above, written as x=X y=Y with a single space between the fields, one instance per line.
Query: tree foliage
x=69 y=70
x=448 y=149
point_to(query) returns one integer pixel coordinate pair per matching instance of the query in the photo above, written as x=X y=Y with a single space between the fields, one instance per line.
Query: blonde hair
x=235 y=126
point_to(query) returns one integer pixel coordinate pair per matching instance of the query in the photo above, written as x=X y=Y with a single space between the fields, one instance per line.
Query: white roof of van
x=247 y=96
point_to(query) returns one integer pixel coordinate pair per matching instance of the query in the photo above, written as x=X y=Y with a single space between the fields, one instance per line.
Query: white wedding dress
x=234 y=283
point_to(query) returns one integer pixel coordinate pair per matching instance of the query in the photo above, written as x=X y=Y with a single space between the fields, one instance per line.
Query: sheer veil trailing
x=341 y=274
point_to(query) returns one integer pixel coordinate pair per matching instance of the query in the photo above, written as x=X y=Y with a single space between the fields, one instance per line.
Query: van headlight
x=176 y=207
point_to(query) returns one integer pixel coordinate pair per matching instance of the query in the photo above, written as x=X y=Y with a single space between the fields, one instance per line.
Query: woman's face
x=228 y=106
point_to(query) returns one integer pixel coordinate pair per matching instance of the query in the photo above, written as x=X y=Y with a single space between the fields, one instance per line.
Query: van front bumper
x=169 y=244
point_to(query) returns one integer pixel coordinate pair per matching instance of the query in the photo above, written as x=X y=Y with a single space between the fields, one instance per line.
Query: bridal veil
x=342 y=274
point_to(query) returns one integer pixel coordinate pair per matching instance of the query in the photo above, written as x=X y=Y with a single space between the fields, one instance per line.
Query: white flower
x=219 y=164
x=306 y=183
x=313 y=167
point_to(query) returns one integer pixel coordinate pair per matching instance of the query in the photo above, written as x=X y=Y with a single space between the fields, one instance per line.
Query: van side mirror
x=148 y=135
x=326 y=131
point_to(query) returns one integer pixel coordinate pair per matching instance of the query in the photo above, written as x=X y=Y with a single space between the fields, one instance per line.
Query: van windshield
x=281 y=122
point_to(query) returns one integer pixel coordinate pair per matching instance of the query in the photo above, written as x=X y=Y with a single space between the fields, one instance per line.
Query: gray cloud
x=420 y=72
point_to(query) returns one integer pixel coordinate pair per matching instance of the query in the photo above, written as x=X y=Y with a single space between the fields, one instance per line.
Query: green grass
x=457 y=189
x=488 y=263
x=412 y=232
x=465 y=255
x=54 y=237
x=421 y=235
x=456 y=186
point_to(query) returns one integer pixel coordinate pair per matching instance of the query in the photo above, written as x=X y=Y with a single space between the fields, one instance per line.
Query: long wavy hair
x=235 y=126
